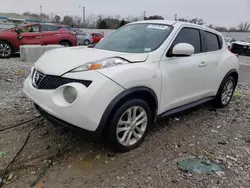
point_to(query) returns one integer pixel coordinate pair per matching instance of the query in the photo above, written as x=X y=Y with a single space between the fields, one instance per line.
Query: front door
x=183 y=79
x=30 y=35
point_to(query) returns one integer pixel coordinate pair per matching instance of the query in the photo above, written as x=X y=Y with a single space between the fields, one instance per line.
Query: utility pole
x=83 y=14
x=144 y=15
x=175 y=16
x=41 y=12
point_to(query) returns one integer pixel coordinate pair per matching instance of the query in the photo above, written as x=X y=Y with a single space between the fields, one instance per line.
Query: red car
x=97 y=37
x=35 y=34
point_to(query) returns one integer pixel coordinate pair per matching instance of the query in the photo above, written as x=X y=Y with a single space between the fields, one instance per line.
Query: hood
x=59 y=61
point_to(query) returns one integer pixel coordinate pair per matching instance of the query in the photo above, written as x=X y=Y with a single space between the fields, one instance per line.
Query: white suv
x=143 y=71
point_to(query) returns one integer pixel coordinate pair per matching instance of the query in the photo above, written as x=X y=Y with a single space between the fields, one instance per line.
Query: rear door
x=30 y=35
x=214 y=52
x=50 y=34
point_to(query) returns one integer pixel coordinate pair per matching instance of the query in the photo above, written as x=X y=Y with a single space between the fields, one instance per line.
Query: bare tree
x=130 y=18
x=77 y=22
x=198 y=21
x=244 y=26
x=68 y=20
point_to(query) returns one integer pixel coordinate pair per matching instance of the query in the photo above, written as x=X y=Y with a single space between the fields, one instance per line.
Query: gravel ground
x=244 y=59
x=216 y=135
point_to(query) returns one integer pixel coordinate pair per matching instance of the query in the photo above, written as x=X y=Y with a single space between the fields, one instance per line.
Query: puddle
x=88 y=162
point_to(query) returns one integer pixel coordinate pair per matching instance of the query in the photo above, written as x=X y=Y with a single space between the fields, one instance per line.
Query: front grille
x=43 y=81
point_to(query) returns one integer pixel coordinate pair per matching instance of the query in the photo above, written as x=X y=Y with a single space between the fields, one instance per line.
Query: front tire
x=225 y=92
x=6 y=49
x=129 y=125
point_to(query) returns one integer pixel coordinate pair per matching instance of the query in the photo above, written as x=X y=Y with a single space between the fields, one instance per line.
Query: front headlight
x=103 y=63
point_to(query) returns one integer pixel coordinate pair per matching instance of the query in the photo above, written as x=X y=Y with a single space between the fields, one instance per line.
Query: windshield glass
x=227 y=39
x=136 y=38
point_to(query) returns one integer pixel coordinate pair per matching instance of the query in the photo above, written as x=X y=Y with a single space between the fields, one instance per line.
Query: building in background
x=9 y=20
x=17 y=18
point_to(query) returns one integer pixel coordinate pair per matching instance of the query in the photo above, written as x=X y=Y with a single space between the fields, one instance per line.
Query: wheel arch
x=144 y=93
x=66 y=40
x=234 y=73
x=13 y=47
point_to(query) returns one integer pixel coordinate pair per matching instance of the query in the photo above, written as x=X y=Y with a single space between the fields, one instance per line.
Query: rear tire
x=86 y=42
x=225 y=92
x=6 y=49
x=129 y=125
x=66 y=43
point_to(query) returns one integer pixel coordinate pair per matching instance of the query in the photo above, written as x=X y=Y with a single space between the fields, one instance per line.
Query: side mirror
x=18 y=30
x=181 y=50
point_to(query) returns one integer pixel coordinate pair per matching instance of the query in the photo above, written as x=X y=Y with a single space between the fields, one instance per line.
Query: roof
x=177 y=24
x=168 y=22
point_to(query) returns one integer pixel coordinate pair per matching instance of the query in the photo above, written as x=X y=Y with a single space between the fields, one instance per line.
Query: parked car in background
x=143 y=71
x=241 y=47
x=97 y=37
x=34 y=34
x=83 y=38
x=229 y=41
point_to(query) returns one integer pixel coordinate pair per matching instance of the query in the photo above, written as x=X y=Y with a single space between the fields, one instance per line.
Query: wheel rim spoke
x=139 y=116
x=121 y=122
x=139 y=130
x=227 y=92
x=144 y=119
x=137 y=137
x=122 y=129
x=129 y=113
x=124 y=136
x=134 y=113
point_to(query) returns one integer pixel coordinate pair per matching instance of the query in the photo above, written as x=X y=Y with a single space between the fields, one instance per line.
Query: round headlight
x=69 y=94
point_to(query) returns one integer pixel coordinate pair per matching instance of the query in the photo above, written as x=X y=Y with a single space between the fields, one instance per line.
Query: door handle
x=57 y=34
x=39 y=37
x=203 y=64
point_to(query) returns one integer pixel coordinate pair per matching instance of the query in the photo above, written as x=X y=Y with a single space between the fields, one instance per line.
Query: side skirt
x=184 y=107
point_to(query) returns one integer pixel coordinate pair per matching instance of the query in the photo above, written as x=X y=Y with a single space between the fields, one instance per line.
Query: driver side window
x=28 y=29
x=191 y=36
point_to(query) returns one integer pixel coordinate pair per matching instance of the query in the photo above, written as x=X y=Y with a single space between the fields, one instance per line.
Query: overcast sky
x=217 y=12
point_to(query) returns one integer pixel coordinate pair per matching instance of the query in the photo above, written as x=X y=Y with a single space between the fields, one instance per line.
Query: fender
x=230 y=72
x=118 y=99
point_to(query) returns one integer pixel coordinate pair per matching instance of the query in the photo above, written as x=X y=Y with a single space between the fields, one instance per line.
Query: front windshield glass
x=136 y=38
x=227 y=39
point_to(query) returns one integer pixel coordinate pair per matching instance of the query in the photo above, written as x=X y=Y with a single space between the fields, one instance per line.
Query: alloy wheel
x=5 y=50
x=132 y=126
x=227 y=92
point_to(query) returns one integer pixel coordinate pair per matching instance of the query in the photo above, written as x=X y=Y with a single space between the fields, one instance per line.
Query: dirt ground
x=220 y=135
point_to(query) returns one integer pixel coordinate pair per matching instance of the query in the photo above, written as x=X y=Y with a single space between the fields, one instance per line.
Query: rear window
x=213 y=42
x=50 y=28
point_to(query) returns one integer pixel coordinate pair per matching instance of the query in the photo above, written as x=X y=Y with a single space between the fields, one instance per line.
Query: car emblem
x=36 y=77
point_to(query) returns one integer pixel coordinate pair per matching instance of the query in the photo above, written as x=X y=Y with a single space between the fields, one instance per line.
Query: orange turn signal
x=95 y=66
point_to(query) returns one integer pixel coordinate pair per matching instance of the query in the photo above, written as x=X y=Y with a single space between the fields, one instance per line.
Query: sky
x=217 y=12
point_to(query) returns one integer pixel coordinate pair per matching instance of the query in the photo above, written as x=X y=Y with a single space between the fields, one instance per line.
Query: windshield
x=136 y=38
x=227 y=39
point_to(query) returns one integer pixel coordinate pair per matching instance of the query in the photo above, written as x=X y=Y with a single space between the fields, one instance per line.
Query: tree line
x=115 y=21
